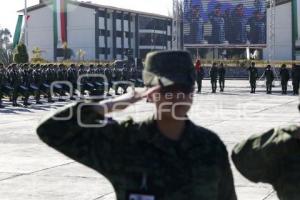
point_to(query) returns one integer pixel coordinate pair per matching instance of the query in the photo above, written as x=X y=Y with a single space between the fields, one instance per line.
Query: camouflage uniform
x=253 y=75
x=214 y=77
x=197 y=167
x=222 y=72
x=273 y=158
x=136 y=156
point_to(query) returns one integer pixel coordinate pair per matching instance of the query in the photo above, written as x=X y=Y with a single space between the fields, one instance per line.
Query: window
x=104 y=50
x=152 y=24
x=151 y=39
x=104 y=32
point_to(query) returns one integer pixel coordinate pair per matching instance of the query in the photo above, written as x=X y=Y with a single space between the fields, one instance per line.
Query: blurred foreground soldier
x=199 y=75
x=285 y=77
x=214 y=77
x=296 y=78
x=166 y=157
x=272 y=157
x=222 y=72
x=253 y=75
x=269 y=79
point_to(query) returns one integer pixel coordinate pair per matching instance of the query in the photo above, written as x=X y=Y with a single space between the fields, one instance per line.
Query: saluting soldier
x=214 y=77
x=167 y=157
x=272 y=157
x=285 y=77
x=222 y=72
x=253 y=75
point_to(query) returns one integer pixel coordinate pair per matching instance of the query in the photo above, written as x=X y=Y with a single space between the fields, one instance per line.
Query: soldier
x=38 y=82
x=272 y=157
x=222 y=72
x=125 y=77
x=269 y=79
x=285 y=76
x=165 y=157
x=214 y=77
x=72 y=78
x=253 y=75
x=296 y=78
x=108 y=75
x=49 y=77
x=199 y=75
x=15 y=81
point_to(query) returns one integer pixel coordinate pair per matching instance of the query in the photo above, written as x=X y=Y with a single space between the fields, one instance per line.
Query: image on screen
x=224 y=22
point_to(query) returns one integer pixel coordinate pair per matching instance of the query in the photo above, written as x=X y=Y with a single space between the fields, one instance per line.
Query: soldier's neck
x=171 y=128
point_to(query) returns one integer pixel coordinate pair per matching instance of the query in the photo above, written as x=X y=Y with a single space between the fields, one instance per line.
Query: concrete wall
x=40 y=32
x=283 y=33
x=81 y=30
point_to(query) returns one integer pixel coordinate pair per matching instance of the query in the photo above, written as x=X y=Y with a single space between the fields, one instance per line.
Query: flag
x=59 y=22
x=19 y=31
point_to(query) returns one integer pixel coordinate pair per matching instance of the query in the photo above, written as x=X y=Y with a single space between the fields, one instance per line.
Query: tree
x=21 y=55
x=5 y=47
x=5 y=36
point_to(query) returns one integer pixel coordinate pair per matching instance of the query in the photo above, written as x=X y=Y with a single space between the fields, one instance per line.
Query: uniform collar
x=155 y=137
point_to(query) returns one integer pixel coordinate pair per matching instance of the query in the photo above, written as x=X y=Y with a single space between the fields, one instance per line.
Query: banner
x=59 y=22
x=225 y=22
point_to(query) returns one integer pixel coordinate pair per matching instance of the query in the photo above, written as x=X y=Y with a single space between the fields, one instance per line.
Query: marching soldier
x=214 y=77
x=222 y=72
x=199 y=75
x=269 y=79
x=165 y=157
x=272 y=157
x=15 y=82
x=285 y=76
x=253 y=75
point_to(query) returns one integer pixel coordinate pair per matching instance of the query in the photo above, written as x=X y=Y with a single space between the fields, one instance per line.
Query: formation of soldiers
x=20 y=82
x=269 y=76
x=218 y=72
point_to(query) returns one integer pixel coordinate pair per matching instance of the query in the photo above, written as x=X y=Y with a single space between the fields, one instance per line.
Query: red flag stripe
x=63 y=21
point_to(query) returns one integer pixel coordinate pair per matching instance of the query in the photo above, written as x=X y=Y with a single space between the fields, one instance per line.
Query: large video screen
x=224 y=22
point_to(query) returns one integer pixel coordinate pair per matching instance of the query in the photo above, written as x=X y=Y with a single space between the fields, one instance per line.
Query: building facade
x=102 y=32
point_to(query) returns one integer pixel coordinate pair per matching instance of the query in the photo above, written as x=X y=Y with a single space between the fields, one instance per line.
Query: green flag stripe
x=55 y=24
x=18 y=30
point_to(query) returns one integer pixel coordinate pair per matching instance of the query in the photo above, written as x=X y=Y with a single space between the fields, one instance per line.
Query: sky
x=9 y=8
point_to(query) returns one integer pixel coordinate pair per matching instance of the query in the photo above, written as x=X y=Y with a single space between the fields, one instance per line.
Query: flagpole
x=26 y=25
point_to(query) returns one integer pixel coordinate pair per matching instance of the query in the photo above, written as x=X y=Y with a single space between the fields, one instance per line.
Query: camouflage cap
x=167 y=68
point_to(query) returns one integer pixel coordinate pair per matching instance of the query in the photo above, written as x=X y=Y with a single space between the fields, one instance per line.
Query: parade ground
x=31 y=170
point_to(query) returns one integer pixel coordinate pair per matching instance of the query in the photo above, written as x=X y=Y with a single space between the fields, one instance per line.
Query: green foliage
x=37 y=56
x=21 y=55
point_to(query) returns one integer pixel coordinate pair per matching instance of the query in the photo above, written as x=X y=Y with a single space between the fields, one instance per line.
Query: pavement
x=31 y=170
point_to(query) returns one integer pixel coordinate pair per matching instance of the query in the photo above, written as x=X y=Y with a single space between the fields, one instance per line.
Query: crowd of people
x=29 y=80
x=230 y=24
